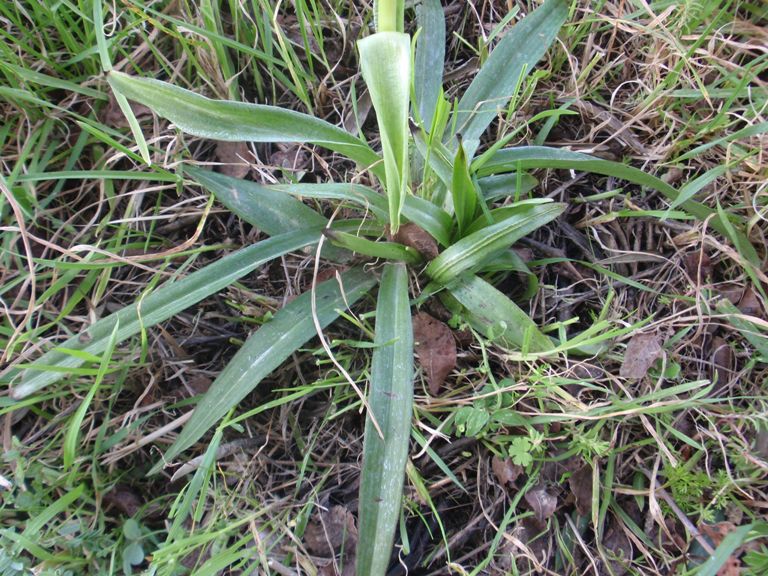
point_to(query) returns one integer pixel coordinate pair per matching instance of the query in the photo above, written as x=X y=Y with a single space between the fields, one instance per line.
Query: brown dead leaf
x=335 y=529
x=531 y=534
x=505 y=470
x=417 y=238
x=123 y=498
x=234 y=158
x=436 y=349
x=542 y=503
x=722 y=363
x=580 y=483
x=291 y=157
x=618 y=548
x=717 y=533
x=750 y=305
x=641 y=353
x=698 y=265
x=113 y=116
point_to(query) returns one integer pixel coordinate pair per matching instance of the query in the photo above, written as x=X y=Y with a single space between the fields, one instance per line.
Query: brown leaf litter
x=436 y=349
x=642 y=351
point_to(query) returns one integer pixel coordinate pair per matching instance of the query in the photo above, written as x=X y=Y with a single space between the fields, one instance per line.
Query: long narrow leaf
x=431 y=218
x=265 y=350
x=430 y=56
x=528 y=157
x=497 y=317
x=164 y=303
x=463 y=191
x=516 y=54
x=391 y=398
x=238 y=121
x=263 y=206
x=472 y=251
x=385 y=63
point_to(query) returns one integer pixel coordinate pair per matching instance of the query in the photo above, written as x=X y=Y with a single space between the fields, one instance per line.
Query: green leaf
x=515 y=56
x=473 y=250
x=463 y=191
x=163 y=303
x=528 y=157
x=238 y=121
x=264 y=207
x=753 y=130
x=496 y=317
x=503 y=185
x=265 y=350
x=727 y=547
x=385 y=63
x=430 y=57
x=390 y=401
x=431 y=218
x=387 y=250
x=500 y=214
x=270 y=210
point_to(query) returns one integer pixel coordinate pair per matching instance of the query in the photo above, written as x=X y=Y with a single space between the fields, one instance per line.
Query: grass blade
x=162 y=304
x=474 y=250
x=264 y=351
x=238 y=121
x=430 y=57
x=497 y=317
x=385 y=63
x=528 y=157
x=390 y=399
x=516 y=55
x=70 y=449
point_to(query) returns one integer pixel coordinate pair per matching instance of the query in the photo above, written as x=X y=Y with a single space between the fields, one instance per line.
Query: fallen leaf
x=721 y=367
x=542 y=503
x=123 y=498
x=698 y=265
x=531 y=534
x=333 y=531
x=505 y=470
x=750 y=305
x=580 y=484
x=641 y=353
x=417 y=238
x=113 y=115
x=290 y=157
x=618 y=548
x=436 y=349
x=761 y=444
x=233 y=157
x=717 y=532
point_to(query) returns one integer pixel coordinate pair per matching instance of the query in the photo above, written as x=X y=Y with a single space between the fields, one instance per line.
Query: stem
x=389 y=15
